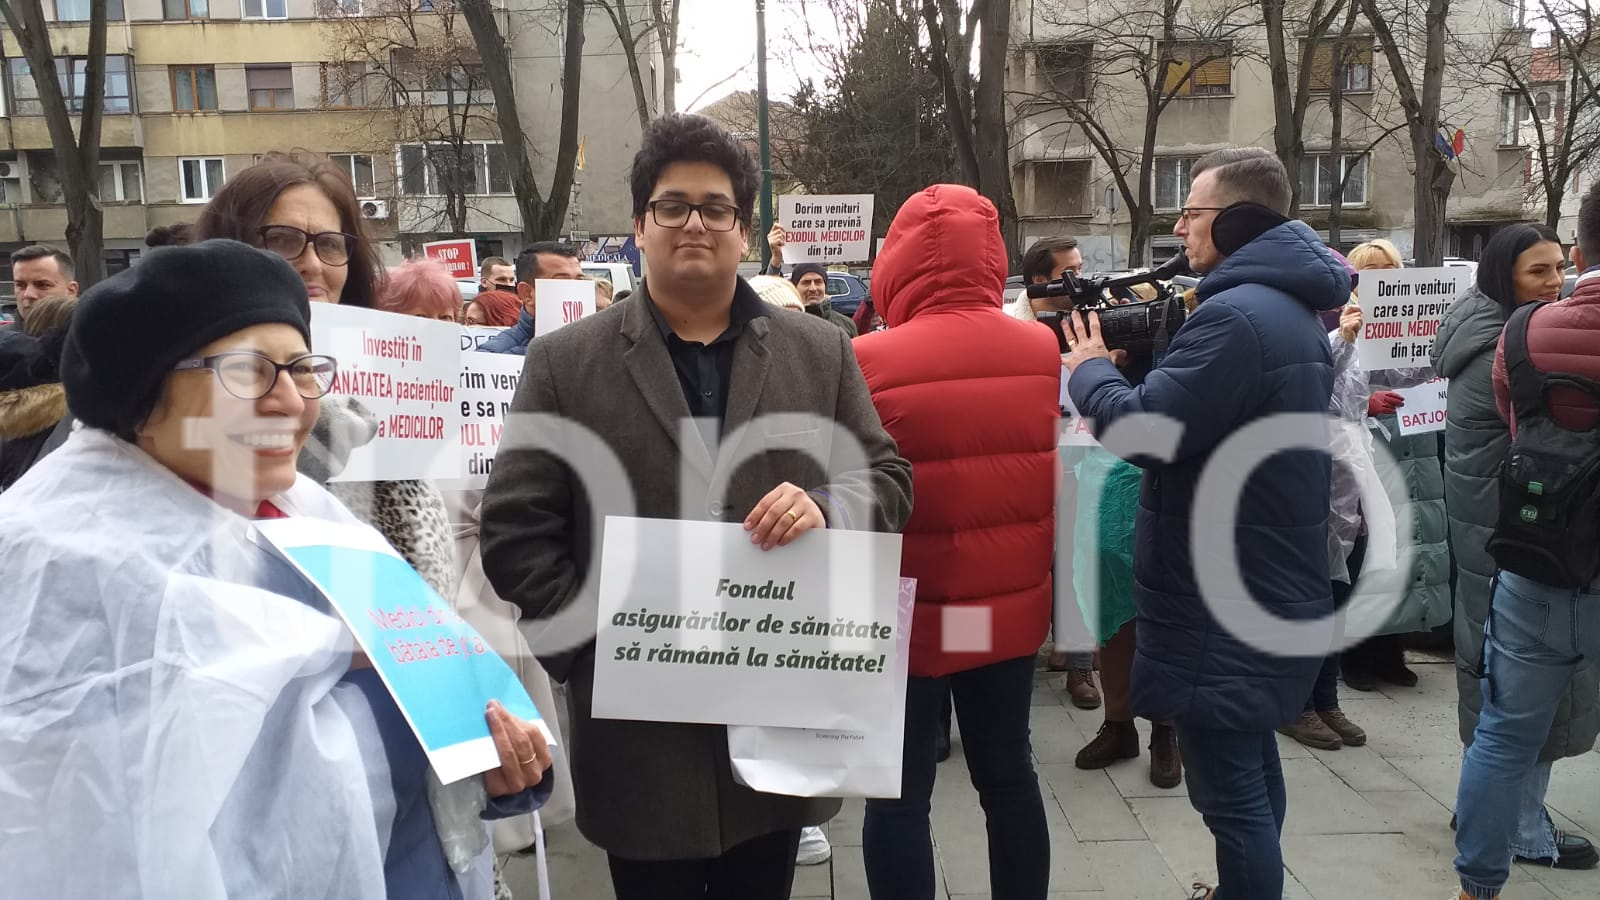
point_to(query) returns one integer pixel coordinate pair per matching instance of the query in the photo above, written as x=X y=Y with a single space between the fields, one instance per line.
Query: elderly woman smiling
x=180 y=713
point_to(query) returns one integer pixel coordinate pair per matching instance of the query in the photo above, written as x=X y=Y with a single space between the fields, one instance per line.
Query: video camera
x=1142 y=329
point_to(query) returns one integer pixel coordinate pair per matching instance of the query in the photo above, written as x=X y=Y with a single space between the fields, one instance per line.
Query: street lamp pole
x=761 y=126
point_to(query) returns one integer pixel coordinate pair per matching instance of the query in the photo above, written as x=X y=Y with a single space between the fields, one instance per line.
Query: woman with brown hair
x=293 y=205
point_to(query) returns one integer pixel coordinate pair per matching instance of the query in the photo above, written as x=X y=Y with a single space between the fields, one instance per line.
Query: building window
x=432 y=170
x=119 y=260
x=266 y=9
x=199 y=177
x=359 y=167
x=78 y=10
x=339 y=7
x=269 y=87
x=185 y=9
x=1198 y=68
x=1355 y=76
x=10 y=183
x=119 y=182
x=449 y=84
x=1060 y=188
x=1318 y=180
x=1172 y=180
x=193 y=88
x=1515 y=112
x=25 y=93
x=344 y=85
x=1064 y=69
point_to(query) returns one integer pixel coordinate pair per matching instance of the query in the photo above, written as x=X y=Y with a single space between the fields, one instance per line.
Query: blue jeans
x=992 y=704
x=1535 y=638
x=1236 y=784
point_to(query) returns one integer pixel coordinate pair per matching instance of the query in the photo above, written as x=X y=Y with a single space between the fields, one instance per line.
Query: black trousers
x=758 y=869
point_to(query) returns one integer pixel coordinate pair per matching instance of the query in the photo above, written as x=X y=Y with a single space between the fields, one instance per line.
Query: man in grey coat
x=668 y=382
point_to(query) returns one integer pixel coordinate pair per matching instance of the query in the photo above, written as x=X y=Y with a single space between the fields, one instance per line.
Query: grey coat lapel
x=751 y=361
x=651 y=367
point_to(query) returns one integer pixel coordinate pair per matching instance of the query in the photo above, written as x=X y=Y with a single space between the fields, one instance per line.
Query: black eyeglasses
x=333 y=247
x=675 y=214
x=251 y=376
x=1187 y=213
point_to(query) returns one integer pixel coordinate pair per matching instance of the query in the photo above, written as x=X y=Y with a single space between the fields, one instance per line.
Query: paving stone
x=1319 y=803
x=1091 y=804
x=1132 y=870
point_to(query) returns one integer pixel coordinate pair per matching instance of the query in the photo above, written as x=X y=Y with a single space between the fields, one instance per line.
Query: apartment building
x=1086 y=52
x=197 y=90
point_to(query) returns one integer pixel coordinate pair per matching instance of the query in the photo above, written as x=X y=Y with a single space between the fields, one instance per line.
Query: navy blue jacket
x=514 y=339
x=1253 y=348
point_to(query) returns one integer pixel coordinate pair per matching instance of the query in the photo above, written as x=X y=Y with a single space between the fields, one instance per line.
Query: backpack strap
x=1527 y=383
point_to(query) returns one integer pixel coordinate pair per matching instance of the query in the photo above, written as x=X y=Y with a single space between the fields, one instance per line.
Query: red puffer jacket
x=1562 y=337
x=971 y=396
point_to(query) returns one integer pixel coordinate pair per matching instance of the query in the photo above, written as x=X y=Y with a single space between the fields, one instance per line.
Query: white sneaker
x=814 y=849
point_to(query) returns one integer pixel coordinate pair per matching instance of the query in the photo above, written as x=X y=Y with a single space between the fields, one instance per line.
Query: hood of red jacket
x=943 y=251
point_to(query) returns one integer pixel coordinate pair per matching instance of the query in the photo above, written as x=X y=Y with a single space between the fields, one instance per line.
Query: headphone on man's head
x=1242 y=223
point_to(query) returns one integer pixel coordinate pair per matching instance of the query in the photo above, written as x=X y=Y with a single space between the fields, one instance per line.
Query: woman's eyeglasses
x=251 y=376
x=332 y=247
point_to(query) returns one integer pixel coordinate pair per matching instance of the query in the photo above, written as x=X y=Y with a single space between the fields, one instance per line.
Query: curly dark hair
x=684 y=137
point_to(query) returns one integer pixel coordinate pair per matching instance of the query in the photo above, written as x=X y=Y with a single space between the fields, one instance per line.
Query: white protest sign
x=826 y=228
x=1400 y=313
x=559 y=302
x=1074 y=427
x=698 y=624
x=403 y=370
x=473 y=337
x=488 y=382
x=1424 y=410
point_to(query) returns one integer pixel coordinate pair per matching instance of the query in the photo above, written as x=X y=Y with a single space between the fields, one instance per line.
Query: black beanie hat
x=804 y=269
x=131 y=329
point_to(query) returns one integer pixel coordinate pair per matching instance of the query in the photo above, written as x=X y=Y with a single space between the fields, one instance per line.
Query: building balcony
x=119 y=131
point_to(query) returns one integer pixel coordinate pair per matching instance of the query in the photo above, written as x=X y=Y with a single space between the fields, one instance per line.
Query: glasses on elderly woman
x=251 y=376
x=332 y=247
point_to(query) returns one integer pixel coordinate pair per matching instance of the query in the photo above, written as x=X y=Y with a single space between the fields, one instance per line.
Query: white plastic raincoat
x=171 y=718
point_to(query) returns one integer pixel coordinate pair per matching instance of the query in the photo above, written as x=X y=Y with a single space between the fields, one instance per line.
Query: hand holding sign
x=524 y=753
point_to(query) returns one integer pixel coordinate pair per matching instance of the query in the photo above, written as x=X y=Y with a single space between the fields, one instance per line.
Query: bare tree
x=1291 y=101
x=418 y=74
x=658 y=28
x=1128 y=62
x=1548 y=97
x=542 y=215
x=78 y=150
x=1398 y=32
x=976 y=107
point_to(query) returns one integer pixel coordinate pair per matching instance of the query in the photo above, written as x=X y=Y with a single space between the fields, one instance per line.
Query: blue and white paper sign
x=440 y=671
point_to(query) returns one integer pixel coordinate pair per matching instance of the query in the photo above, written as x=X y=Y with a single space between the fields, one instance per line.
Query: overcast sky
x=719 y=40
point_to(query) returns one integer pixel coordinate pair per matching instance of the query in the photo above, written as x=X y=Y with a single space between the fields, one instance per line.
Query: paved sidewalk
x=1368 y=822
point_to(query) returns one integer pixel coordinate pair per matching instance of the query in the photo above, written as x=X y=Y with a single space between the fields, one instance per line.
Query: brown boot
x=1310 y=730
x=1166 y=767
x=1080 y=686
x=1116 y=741
x=1349 y=732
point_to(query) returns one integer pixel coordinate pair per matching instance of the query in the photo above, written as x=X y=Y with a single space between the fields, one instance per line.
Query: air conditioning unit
x=8 y=170
x=374 y=209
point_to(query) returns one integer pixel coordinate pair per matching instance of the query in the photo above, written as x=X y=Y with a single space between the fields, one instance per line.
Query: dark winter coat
x=1475 y=442
x=1253 y=348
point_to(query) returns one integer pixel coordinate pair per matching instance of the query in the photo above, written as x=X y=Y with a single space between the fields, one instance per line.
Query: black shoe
x=1572 y=852
x=941 y=748
x=1399 y=675
x=1358 y=678
x=1114 y=742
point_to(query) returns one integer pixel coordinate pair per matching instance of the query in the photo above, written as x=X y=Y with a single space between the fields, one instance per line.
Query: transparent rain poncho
x=171 y=718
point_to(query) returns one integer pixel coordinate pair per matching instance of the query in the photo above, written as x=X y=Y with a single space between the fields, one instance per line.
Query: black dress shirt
x=705 y=371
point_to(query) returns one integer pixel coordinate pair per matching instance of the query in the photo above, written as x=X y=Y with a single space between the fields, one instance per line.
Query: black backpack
x=1549 y=524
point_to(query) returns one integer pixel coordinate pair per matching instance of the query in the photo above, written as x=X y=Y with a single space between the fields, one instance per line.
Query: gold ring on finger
x=530 y=760
x=793 y=516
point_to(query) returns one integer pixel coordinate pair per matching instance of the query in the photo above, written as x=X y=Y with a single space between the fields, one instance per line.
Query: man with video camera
x=1252 y=349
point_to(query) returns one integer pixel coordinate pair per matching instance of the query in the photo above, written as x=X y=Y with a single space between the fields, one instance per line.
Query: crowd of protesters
x=181 y=716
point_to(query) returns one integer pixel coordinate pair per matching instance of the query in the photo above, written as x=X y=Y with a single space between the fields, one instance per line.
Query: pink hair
x=419 y=287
